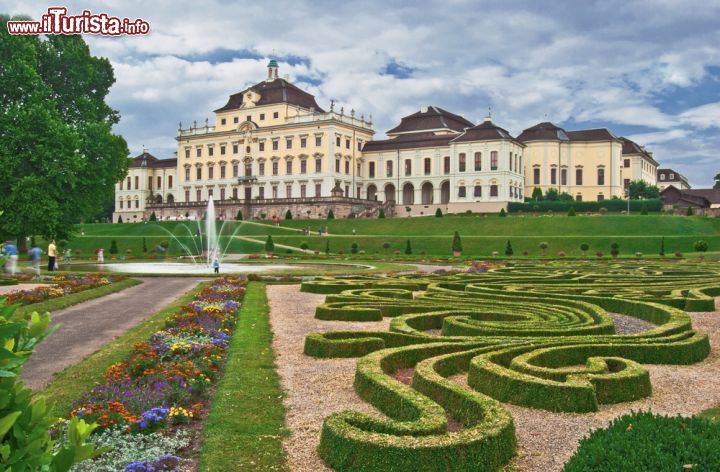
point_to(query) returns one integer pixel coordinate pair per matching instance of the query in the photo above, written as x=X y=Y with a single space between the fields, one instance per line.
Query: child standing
x=216 y=266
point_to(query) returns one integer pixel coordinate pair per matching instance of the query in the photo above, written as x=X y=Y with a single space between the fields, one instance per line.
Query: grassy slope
x=481 y=235
x=246 y=423
x=69 y=384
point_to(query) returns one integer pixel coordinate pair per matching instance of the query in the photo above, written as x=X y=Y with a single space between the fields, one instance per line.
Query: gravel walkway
x=629 y=324
x=88 y=326
x=315 y=387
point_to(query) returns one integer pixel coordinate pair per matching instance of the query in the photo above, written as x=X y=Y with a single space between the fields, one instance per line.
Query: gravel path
x=88 y=326
x=629 y=324
x=315 y=387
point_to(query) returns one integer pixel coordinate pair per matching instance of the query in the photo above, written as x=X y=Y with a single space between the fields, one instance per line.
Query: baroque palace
x=272 y=148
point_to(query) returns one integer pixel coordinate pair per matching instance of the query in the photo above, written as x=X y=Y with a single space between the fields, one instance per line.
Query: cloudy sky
x=647 y=69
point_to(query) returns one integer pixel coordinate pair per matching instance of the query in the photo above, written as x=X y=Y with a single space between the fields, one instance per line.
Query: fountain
x=213 y=241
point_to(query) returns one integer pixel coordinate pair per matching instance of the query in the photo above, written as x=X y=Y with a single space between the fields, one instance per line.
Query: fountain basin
x=199 y=269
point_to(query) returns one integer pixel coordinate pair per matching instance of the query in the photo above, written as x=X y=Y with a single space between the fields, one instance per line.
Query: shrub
x=638 y=254
x=327 y=246
x=525 y=253
x=502 y=212
x=457 y=243
x=701 y=246
x=386 y=246
x=643 y=209
x=288 y=215
x=584 y=248
x=120 y=220
x=614 y=249
x=408 y=249
x=662 y=246
x=571 y=211
x=269 y=244
x=239 y=215
x=288 y=251
x=645 y=441
x=508 y=249
x=164 y=244
x=113 y=247
x=381 y=214
x=603 y=211
x=543 y=247
x=613 y=205
x=354 y=248
x=304 y=245
x=331 y=215
x=495 y=253
x=561 y=254
x=599 y=254
x=144 y=247
x=153 y=217
x=537 y=194
x=438 y=213
x=397 y=253
x=689 y=211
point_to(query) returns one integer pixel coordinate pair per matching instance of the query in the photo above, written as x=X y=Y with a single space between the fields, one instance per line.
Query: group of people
x=320 y=231
x=10 y=250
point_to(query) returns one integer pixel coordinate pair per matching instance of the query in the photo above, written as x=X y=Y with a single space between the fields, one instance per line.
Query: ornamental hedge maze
x=540 y=336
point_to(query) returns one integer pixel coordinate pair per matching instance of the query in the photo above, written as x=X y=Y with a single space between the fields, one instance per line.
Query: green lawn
x=481 y=235
x=245 y=427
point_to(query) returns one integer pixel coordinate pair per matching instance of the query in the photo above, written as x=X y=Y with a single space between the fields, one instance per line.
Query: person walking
x=216 y=266
x=10 y=250
x=35 y=254
x=101 y=256
x=52 y=254
x=67 y=254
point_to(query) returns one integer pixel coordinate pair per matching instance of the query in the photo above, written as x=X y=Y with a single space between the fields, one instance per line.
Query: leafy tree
x=438 y=213
x=584 y=248
x=689 y=211
x=60 y=159
x=408 y=249
x=701 y=246
x=113 y=247
x=288 y=215
x=508 y=249
x=269 y=244
x=457 y=243
x=381 y=214
x=717 y=181
x=640 y=189
x=331 y=215
x=354 y=248
x=565 y=197
x=327 y=246
x=304 y=245
x=614 y=249
x=552 y=194
x=537 y=194
x=503 y=214
x=543 y=247
x=571 y=211
x=662 y=246
x=120 y=219
x=239 y=216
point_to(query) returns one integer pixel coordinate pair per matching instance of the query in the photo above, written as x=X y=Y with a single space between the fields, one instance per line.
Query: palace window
x=234 y=193
x=303 y=142
x=275 y=168
x=159 y=183
x=347 y=190
x=303 y=187
x=222 y=172
x=222 y=121
x=426 y=165
x=337 y=166
x=288 y=167
x=478 y=161
x=187 y=195
x=187 y=175
x=662 y=177
x=461 y=162
x=198 y=152
x=222 y=150
x=150 y=183
x=248 y=117
x=578 y=197
x=210 y=172
x=318 y=165
x=461 y=191
x=389 y=169
x=493 y=190
x=536 y=176
x=408 y=167
x=477 y=191
x=248 y=170
x=288 y=191
x=187 y=153
x=170 y=181
x=198 y=195
x=210 y=151
x=601 y=176
x=510 y=161
x=275 y=114
x=236 y=120
x=626 y=163
x=600 y=197
x=137 y=203
x=347 y=167
x=318 y=189
x=337 y=141
x=121 y=204
x=358 y=170
x=347 y=143
x=210 y=193
x=276 y=145
x=563 y=176
x=553 y=176
x=262 y=192
x=303 y=166
x=371 y=170
x=359 y=145
x=318 y=141
x=493 y=160
x=137 y=182
x=446 y=165
x=236 y=170
x=274 y=191
x=261 y=147
x=235 y=148
x=288 y=144
x=261 y=168
x=578 y=176
x=222 y=194
x=247 y=149
x=262 y=116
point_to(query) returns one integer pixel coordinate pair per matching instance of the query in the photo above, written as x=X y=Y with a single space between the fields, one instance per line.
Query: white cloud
x=704 y=116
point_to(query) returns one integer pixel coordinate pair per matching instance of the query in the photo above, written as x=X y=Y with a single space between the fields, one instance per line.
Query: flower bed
x=61 y=285
x=143 y=403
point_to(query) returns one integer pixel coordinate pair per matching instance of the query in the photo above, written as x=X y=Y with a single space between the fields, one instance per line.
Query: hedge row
x=564 y=206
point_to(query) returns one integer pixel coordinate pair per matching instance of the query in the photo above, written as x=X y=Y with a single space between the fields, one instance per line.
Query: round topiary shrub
x=701 y=246
x=599 y=254
x=304 y=245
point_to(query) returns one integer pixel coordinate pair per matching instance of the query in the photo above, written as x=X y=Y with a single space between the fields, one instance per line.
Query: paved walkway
x=88 y=326
x=5 y=289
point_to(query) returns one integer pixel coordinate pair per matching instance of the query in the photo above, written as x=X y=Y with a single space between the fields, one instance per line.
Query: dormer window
x=222 y=121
